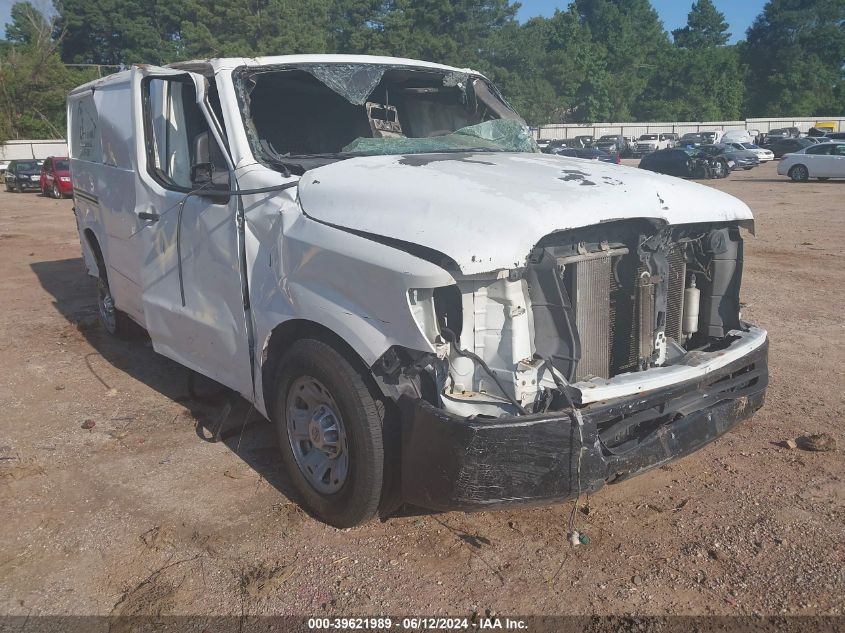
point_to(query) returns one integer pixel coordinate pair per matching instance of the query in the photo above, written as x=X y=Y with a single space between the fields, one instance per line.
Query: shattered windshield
x=299 y=117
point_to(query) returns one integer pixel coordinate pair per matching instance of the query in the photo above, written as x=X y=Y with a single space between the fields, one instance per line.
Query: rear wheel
x=329 y=424
x=799 y=173
x=56 y=193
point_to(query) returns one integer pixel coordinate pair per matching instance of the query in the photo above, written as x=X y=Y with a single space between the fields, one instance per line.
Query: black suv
x=613 y=144
x=23 y=175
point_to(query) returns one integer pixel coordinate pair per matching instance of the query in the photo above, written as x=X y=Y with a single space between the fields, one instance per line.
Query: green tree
x=795 y=53
x=251 y=27
x=355 y=26
x=696 y=85
x=630 y=39
x=458 y=32
x=27 y=24
x=33 y=80
x=706 y=27
x=118 y=31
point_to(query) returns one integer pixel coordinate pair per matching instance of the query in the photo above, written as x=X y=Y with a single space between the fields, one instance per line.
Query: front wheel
x=329 y=424
x=799 y=173
x=113 y=320
x=56 y=193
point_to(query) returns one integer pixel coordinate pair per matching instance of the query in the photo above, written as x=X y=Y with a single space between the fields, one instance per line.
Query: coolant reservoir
x=692 y=299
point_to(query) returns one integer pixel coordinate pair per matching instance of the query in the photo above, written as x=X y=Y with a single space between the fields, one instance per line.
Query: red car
x=55 y=177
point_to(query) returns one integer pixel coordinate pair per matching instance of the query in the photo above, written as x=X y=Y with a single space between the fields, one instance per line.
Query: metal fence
x=40 y=149
x=637 y=129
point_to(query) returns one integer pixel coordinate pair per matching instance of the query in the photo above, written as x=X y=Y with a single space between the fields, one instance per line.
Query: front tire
x=330 y=425
x=56 y=193
x=113 y=320
x=799 y=173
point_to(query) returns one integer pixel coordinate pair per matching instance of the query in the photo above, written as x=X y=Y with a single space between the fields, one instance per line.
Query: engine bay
x=590 y=306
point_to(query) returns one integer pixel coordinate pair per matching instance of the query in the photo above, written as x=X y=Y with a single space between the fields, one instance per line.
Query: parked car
x=489 y=341
x=586 y=140
x=23 y=175
x=54 y=180
x=612 y=144
x=732 y=158
x=590 y=153
x=740 y=136
x=763 y=155
x=543 y=143
x=822 y=161
x=692 y=139
x=672 y=137
x=557 y=144
x=835 y=136
x=826 y=126
x=648 y=143
x=783 y=146
x=783 y=132
x=685 y=163
x=712 y=138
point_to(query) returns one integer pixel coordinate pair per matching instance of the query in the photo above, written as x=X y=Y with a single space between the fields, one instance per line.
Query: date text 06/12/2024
x=417 y=624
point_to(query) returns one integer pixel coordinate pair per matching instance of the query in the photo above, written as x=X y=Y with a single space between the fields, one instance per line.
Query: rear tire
x=799 y=173
x=330 y=425
x=56 y=193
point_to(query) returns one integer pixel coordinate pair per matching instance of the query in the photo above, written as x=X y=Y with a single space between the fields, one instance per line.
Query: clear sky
x=738 y=13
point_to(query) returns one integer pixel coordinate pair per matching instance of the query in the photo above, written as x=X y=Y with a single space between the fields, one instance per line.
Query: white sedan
x=822 y=161
x=765 y=155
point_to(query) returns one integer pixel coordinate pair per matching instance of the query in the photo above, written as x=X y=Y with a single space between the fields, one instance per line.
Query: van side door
x=192 y=290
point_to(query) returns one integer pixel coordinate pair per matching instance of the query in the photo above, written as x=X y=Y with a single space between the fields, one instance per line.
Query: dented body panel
x=502 y=204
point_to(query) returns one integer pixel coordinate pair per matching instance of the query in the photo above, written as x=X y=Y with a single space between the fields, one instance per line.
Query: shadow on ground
x=246 y=433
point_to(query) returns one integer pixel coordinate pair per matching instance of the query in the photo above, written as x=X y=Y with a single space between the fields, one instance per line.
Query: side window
x=181 y=152
x=819 y=149
x=839 y=150
x=85 y=133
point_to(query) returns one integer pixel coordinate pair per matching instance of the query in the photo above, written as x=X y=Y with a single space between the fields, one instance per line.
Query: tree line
x=596 y=60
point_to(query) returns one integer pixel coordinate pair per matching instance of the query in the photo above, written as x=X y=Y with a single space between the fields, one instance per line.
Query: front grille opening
x=741 y=380
x=625 y=432
x=614 y=302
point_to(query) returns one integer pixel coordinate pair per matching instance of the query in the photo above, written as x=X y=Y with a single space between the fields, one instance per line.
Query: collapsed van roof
x=218 y=64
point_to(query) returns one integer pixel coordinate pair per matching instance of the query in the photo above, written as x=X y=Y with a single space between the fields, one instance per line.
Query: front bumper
x=32 y=185
x=453 y=463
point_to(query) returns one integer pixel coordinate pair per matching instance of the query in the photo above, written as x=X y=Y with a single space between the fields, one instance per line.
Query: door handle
x=150 y=217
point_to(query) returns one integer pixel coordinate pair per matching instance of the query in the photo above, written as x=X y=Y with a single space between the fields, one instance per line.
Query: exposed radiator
x=675 y=298
x=614 y=301
x=591 y=296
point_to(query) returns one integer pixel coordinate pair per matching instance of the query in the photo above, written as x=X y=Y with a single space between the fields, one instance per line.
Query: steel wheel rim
x=317 y=435
x=105 y=304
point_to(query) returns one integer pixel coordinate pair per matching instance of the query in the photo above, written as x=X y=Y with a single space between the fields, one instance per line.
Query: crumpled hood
x=486 y=211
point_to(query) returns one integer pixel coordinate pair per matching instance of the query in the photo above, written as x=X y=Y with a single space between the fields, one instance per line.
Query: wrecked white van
x=373 y=252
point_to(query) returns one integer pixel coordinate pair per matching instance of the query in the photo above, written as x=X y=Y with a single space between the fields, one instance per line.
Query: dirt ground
x=141 y=515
